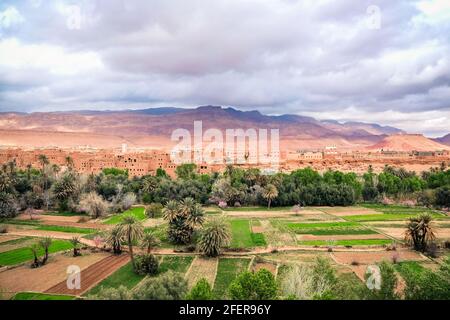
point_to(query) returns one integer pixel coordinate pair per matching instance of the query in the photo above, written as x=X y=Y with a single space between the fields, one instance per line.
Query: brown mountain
x=153 y=127
x=408 y=142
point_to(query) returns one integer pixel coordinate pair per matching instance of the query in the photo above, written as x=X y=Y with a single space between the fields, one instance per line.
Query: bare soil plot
x=152 y=222
x=202 y=268
x=364 y=258
x=307 y=237
x=92 y=275
x=296 y=257
x=24 y=278
x=8 y=237
x=47 y=218
x=348 y=211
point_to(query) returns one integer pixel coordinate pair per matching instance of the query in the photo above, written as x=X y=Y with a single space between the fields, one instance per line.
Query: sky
x=377 y=61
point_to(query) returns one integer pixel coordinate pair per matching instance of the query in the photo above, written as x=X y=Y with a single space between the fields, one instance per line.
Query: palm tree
x=43 y=161
x=69 y=163
x=133 y=231
x=196 y=216
x=419 y=231
x=75 y=241
x=114 y=239
x=214 y=236
x=149 y=184
x=171 y=211
x=149 y=241
x=187 y=206
x=270 y=192
x=45 y=243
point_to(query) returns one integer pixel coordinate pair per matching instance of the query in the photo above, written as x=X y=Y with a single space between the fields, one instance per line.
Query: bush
x=8 y=205
x=254 y=286
x=201 y=291
x=388 y=284
x=3 y=228
x=154 y=210
x=169 y=286
x=443 y=197
x=146 y=264
x=121 y=293
x=93 y=204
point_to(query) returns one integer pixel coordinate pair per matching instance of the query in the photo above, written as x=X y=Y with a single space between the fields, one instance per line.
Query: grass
x=125 y=276
x=411 y=266
x=66 y=229
x=15 y=241
x=175 y=263
x=388 y=217
x=227 y=271
x=64 y=214
x=258 y=209
x=353 y=242
x=40 y=296
x=23 y=222
x=329 y=228
x=242 y=237
x=16 y=256
x=138 y=212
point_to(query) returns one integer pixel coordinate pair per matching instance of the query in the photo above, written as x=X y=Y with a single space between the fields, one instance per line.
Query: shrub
x=254 y=286
x=8 y=205
x=169 y=286
x=443 y=197
x=388 y=284
x=201 y=291
x=146 y=264
x=3 y=228
x=93 y=204
x=120 y=293
x=154 y=210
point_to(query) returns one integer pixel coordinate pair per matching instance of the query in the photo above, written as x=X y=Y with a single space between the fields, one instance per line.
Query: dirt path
x=24 y=278
x=202 y=268
x=92 y=275
x=43 y=233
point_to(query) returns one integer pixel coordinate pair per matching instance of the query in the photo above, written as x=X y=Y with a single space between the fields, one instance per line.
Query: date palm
x=114 y=239
x=75 y=241
x=195 y=217
x=149 y=241
x=132 y=230
x=419 y=231
x=171 y=211
x=214 y=236
x=269 y=193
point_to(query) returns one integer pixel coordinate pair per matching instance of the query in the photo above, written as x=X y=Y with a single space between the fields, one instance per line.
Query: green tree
x=149 y=241
x=114 y=239
x=254 y=286
x=169 y=286
x=201 y=291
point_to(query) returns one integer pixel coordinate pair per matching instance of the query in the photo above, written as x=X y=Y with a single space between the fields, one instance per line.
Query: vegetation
x=214 y=236
x=169 y=286
x=20 y=255
x=137 y=212
x=201 y=291
x=183 y=217
x=132 y=231
x=419 y=232
x=146 y=264
x=40 y=296
x=227 y=271
x=259 y=285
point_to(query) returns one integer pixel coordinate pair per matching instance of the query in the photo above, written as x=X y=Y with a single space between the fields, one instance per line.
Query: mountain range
x=153 y=128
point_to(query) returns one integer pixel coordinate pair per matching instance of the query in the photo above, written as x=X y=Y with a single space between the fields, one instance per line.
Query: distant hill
x=408 y=142
x=444 y=140
x=135 y=126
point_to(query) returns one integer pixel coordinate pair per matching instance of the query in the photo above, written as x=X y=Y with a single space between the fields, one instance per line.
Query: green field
x=125 y=276
x=242 y=237
x=333 y=228
x=175 y=263
x=227 y=271
x=64 y=214
x=16 y=256
x=354 y=242
x=388 y=217
x=15 y=241
x=258 y=209
x=138 y=212
x=66 y=229
x=40 y=296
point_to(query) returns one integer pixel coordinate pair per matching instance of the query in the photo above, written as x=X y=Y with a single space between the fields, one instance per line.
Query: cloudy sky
x=376 y=61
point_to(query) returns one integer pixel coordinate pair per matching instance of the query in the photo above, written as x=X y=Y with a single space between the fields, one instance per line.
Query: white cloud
x=10 y=17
